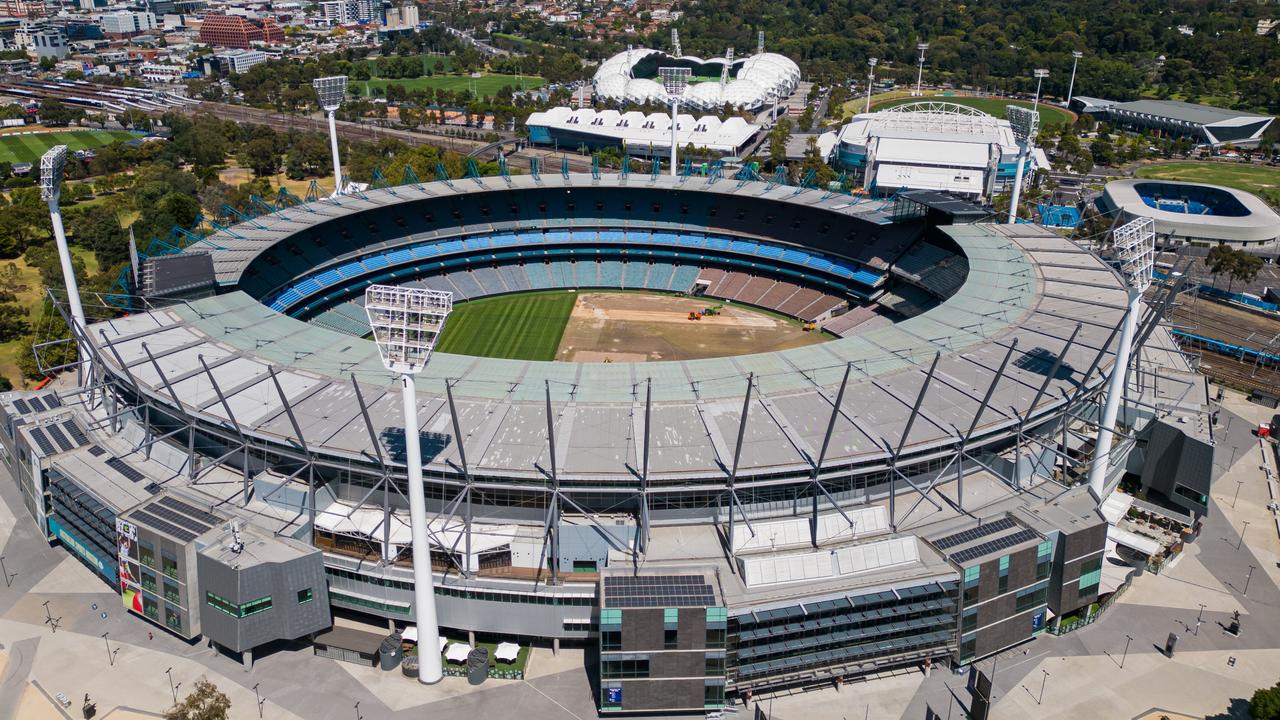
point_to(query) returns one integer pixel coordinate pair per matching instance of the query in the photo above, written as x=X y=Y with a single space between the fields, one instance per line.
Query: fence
x=1071 y=623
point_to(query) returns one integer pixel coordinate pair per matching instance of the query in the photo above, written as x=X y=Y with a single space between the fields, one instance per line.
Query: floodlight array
x=1134 y=247
x=1025 y=122
x=330 y=91
x=406 y=322
x=52 y=164
x=675 y=79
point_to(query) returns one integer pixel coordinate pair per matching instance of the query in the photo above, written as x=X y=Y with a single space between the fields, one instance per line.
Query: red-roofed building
x=234 y=31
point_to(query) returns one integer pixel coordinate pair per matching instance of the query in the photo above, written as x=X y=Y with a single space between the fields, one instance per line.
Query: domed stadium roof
x=631 y=76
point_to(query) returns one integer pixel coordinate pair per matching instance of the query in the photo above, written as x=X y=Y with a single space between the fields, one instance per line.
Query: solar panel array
x=76 y=434
x=22 y=406
x=153 y=488
x=972 y=534
x=36 y=405
x=179 y=519
x=42 y=441
x=1000 y=543
x=655 y=591
x=59 y=437
x=167 y=528
x=125 y=469
x=97 y=451
x=175 y=504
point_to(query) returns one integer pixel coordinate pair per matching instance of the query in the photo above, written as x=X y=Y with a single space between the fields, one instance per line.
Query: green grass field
x=1262 y=181
x=527 y=326
x=486 y=86
x=1049 y=114
x=29 y=148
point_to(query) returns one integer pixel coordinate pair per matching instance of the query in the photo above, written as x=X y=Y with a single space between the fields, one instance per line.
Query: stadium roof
x=751 y=81
x=261 y=359
x=635 y=129
x=1184 y=111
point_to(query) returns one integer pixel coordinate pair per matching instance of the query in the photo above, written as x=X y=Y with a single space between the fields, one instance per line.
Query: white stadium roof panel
x=929 y=178
x=895 y=150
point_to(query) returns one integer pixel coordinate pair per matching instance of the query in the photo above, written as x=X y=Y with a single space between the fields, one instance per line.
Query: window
x=969 y=621
x=253 y=607
x=715 y=664
x=610 y=629
x=150 y=608
x=968 y=647
x=670 y=627
x=1030 y=597
x=1004 y=575
x=172 y=619
x=1044 y=559
x=717 y=621
x=169 y=565
x=1192 y=495
x=147 y=555
x=715 y=637
x=171 y=593
x=610 y=639
x=971 y=577
x=148 y=581
x=629 y=666
x=669 y=639
x=713 y=694
x=304 y=596
x=584 y=566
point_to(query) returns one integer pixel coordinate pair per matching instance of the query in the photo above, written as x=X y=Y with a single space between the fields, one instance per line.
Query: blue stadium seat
x=610 y=273
x=659 y=276
x=539 y=276
x=634 y=274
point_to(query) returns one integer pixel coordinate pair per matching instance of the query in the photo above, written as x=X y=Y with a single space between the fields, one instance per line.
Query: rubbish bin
x=390 y=652
x=478 y=665
x=409 y=666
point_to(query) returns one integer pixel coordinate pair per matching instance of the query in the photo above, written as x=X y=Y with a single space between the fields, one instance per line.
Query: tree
x=205 y=702
x=1265 y=703
x=1219 y=260
x=57 y=114
x=778 y=138
x=260 y=155
x=1245 y=268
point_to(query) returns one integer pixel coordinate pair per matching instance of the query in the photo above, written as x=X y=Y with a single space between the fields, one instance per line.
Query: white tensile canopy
x=507 y=651
x=457 y=652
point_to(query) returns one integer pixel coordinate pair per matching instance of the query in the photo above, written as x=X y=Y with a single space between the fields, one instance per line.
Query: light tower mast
x=675 y=42
x=52 y=164
x=1071 y=88
x=1025 y=123
x=1134 y=247
x=674 y=81
x=330 y=91
x=922 y=46
x=871 y=80
x=406 y=323
x=1040 y=75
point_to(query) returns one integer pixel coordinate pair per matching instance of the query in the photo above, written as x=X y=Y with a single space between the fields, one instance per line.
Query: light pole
x=260 y=700
x=1247 y=578
x=1134 y=247
x=1043 y=680
x=921 y=46
x=1024 y=124
x=1040 y=75
x=1235 y=497
x=1241 y=540
x=1071 y=87
x=111 y=657
x=1127 y=639
x=871 y=79
x=406 y=323
x=674 y=82
x=1199 y=619
x=52 y=164
x=358 y=715
x=8 y=579
x=173 y=689
x=330 y=92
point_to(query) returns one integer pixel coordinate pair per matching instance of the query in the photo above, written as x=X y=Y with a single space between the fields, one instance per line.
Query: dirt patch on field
x=637 y=327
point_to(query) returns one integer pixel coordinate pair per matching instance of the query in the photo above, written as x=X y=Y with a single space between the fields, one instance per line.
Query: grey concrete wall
x=286 y=619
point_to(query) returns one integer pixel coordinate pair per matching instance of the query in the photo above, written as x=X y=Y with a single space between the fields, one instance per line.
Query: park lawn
x=1260 y=180
x=28 y=148
x=485 y=86
x=526 y=326
x=1049 y=114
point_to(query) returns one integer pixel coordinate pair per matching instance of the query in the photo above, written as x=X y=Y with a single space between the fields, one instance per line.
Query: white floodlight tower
x=674 y=82
x=920 y=72
x=675 y=42
x=1134 y=246
x=871 y=79
x=406 y=322
x=1040 y=75
x=1071 y=87
x=52 y=164
x=330 y=91
x=1024 y=122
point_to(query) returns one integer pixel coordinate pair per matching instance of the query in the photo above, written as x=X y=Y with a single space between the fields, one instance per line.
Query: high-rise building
x=126 y=23
x=237 y=32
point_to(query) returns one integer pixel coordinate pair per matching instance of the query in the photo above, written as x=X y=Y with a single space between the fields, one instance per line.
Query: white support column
x=675 y=118
x=1017 y=184
x=333 y=148
x=68 y=274
x=1100 y=468
x=430 y=670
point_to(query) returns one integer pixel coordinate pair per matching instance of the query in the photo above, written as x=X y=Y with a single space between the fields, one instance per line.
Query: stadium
x=929 y=146
x=745 y=84
x=1194 y=213
x=901 y=484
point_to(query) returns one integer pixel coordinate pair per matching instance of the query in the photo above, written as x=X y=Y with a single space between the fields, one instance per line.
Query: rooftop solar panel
x=21 y=406
x=59 y=437
x=178 y=519
x=992 y=546
x=207 y=518
x=972 y=534
x=52 y=400
x=35 y=404
x=42 y=441
x=168 y=529
x=659 y=591
x=97 y=451
x=75 y=433
x=125 y=469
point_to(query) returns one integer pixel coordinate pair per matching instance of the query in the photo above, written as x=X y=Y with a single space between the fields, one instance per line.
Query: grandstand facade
x=929 y=146
x=834 y=510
